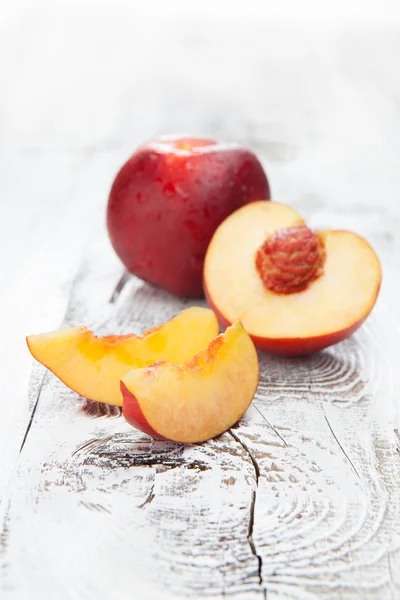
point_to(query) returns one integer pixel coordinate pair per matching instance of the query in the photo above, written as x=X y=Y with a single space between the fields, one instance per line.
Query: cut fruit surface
x=199 y=400
x=93 y=366
x=334 y=302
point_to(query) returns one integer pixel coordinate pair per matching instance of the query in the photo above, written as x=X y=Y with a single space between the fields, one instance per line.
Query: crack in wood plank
x=252 y=507
x=269 y=424
x=125 y=277
x=149 y=499
x=33 y=411
x=339 y=444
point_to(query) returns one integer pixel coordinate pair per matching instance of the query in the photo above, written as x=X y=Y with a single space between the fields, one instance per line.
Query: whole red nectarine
x=169 y=198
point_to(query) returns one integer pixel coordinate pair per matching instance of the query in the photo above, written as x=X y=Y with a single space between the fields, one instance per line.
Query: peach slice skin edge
x=206 y=396
x=136 y=417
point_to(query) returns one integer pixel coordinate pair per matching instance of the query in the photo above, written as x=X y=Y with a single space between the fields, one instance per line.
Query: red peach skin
x=168 y=199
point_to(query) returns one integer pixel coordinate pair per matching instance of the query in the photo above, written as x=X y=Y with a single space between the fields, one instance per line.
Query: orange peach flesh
x=327 y=311
x=199 y=400
x=93 y=366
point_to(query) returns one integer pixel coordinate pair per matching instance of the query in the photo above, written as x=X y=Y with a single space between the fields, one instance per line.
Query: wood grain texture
x=300 y=500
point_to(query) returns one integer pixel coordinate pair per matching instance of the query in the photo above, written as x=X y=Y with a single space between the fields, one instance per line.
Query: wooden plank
x=297 y=500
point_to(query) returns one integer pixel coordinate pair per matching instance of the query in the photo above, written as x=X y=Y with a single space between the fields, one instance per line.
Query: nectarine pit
x=290 y=259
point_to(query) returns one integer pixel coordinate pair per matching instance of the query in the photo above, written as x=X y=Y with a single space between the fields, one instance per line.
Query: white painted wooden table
x=302 y=499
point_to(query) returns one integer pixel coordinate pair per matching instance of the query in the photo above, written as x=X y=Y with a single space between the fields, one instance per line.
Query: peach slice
x=295 y=291
x=198 y=400
x=93 y=366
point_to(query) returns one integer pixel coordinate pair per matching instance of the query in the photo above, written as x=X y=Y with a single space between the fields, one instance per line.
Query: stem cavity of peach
x=191 y=143
x=291 y=259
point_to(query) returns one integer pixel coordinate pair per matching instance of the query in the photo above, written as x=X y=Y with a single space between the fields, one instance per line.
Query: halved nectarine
x=296 y=291
x=93 y=366
x=198 y=400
